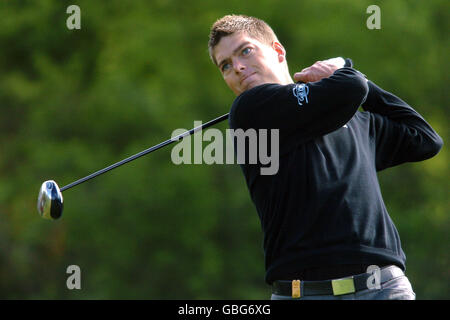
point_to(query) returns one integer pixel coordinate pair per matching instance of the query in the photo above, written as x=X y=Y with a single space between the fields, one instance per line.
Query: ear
x=278 y=47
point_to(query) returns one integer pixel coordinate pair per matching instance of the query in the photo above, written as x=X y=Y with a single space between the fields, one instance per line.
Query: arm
x=402 y=135
x=301 y=111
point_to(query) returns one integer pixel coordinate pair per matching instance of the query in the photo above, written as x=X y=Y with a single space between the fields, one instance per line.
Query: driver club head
x=50 y=200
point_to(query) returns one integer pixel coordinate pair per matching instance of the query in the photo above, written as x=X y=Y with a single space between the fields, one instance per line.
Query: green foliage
x=75 y=101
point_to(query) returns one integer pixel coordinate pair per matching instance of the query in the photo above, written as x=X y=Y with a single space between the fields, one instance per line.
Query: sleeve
x=401 y=134
x=301 y=111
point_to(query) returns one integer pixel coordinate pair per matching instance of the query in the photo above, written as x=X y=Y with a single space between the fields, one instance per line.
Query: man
x=327 y=233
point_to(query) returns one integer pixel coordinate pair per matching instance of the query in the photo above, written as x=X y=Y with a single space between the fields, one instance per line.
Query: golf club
x=50 y=199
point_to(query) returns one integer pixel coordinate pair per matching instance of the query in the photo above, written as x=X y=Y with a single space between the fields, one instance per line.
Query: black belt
x=297 y=288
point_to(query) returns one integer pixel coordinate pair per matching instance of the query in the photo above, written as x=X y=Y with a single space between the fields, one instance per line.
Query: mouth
x=246 y=77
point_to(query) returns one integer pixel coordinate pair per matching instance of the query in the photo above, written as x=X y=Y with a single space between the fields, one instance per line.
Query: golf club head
x=50 y=200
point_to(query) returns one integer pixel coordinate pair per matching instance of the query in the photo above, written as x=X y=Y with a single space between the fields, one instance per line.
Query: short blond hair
x=230 y=24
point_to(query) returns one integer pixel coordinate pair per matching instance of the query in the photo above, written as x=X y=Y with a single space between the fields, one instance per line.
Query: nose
x=238 y=66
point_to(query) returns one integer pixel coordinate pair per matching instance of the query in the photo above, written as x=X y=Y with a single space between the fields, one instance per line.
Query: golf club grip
x=147 y=151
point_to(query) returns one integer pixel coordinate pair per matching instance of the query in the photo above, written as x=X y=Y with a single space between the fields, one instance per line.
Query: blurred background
x=75 y=101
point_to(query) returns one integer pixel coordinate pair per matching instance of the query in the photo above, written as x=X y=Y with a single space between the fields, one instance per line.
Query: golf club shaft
x=147 y=151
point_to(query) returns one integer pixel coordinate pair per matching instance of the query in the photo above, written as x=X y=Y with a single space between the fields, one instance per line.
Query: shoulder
x=262 y=94
x=247 y=103
x=259 y=93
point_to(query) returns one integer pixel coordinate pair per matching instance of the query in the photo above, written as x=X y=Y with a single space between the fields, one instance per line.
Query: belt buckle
x=296 y=289
x=343 y=286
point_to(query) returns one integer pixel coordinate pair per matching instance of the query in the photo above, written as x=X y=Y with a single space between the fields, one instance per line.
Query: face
x=245 y=62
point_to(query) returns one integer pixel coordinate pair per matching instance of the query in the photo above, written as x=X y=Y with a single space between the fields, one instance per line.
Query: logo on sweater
x=300 y=91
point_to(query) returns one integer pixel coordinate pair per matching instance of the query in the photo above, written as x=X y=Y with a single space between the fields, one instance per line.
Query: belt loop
x=296 y=291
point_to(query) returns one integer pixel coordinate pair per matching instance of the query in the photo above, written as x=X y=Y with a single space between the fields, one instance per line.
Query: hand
x=319 y=70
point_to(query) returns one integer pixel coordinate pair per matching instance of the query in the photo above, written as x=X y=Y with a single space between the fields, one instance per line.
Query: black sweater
x=324 y=205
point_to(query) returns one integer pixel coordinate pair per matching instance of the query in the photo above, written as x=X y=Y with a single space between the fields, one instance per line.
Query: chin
x=252 y=84
x=255 y=84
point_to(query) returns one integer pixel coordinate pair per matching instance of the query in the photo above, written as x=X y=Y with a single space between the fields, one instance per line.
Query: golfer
x=327 y=233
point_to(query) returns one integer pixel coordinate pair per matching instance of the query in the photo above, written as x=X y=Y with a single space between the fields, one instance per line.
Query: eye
x=225 y=67
x=246 y=51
